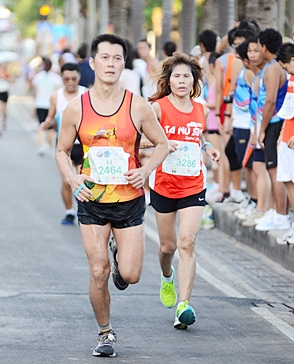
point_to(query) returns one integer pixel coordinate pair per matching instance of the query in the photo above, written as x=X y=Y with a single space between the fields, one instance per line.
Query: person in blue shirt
x=87 y=74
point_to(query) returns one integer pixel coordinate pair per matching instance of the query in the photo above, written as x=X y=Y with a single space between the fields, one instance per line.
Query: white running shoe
x=289 y=235
x=244 y=214
x=278 y=222
x=267 y=216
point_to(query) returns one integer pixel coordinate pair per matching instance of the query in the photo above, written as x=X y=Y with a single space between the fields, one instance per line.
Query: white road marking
x=275 y=321
x=231 y=292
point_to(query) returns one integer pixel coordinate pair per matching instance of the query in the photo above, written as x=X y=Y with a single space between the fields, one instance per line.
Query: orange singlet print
x=116 y=130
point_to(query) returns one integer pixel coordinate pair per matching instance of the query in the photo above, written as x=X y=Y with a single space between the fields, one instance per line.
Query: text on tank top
x=185 y=128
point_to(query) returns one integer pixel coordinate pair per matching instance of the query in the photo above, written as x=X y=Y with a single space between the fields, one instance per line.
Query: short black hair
x=169 y=47
x=241 y=50
x=208 y=38
x=144 y=40
x=110 y=38
x=251 y=25
x=272 y=39
x=213 y=57
x=243 y=33
x=285 y=53
x=70 y=67
x=83 y=50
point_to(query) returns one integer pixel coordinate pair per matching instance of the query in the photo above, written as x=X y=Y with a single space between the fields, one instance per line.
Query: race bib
x=108 y=165
x=185 y=161
x=287 y=109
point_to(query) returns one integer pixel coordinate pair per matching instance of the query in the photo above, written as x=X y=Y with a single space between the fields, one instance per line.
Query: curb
x=264 y=242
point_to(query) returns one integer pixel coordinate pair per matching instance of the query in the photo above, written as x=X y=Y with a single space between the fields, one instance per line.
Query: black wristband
x=217 y=114
x=228 y=115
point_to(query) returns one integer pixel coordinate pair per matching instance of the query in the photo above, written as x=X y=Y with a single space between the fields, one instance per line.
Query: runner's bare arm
x=68 y=133
x=146 y=122
x=271 y=81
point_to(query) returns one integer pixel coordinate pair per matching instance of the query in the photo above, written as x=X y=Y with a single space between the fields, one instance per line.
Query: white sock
x=168 y=279
x=70 y=212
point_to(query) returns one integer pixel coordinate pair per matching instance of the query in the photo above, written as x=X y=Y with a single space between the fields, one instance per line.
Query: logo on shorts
x=201 y=199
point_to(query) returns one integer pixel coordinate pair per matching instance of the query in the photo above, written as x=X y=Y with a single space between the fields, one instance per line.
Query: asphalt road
x=244 y=302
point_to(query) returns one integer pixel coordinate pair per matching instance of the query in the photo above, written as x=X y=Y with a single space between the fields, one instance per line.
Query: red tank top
x=116 y=130
x=186 y=127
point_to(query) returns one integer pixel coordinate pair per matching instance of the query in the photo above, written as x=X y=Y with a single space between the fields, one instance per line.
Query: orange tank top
x=116 y=130
x=183 y=127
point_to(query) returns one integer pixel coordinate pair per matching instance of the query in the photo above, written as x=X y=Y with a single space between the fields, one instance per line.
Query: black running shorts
x=119 y=214
x=272 y=134
x=165 y=204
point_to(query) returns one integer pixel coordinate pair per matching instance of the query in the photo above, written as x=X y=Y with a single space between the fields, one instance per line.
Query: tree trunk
x=104 y=16
x=290 y=12
x=91 y=28
x=137 y=16
x=119 y=17
x=281 y=16
x=266 y=10
x=188 y=25
x=226 y=16
x=167 y=6
x=210 y=17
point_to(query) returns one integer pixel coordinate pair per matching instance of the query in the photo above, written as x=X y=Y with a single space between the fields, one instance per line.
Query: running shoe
x=118 y=281
x=168 y=294
x=207 y=221
x=68 y=220
x=289 y=235
x=106 y=342
x=278 y=222
x=185 y=316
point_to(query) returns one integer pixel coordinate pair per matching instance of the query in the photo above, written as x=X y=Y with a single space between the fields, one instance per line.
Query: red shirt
x=186 y=127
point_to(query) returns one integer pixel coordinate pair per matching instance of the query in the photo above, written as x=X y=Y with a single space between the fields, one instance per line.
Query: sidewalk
x=263 y=241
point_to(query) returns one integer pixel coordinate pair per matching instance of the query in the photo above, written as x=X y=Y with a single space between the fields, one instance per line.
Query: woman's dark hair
x=213 y=57
x=163 y=88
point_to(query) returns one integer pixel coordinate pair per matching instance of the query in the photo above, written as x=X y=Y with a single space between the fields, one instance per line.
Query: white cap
x=196 y=51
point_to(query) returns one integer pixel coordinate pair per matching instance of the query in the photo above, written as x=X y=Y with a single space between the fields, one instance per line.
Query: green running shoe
x=185 y=315
x=168 y=294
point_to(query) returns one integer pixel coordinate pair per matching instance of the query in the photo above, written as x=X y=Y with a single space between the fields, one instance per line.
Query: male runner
x=109 y=121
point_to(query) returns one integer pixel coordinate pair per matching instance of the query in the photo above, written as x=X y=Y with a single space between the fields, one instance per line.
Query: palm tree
x=210 y=18
x=119 y=17
x=104 y=16
x=188 y=25
x=137 y=16
x=167 y=6
x=281 y=16
x=266 y=10
x=226 y=16
x=291 y=17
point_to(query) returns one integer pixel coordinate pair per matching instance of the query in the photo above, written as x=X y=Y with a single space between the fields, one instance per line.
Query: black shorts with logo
x=272 y=134
x=165 y=204
x=119 y=214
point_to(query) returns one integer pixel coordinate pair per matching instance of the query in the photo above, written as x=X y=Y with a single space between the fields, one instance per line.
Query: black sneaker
x=105 y=347
x=116 y=277
x=68 y=220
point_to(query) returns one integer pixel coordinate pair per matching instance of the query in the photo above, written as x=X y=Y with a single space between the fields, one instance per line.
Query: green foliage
x=149 y=6
x=27 y=13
